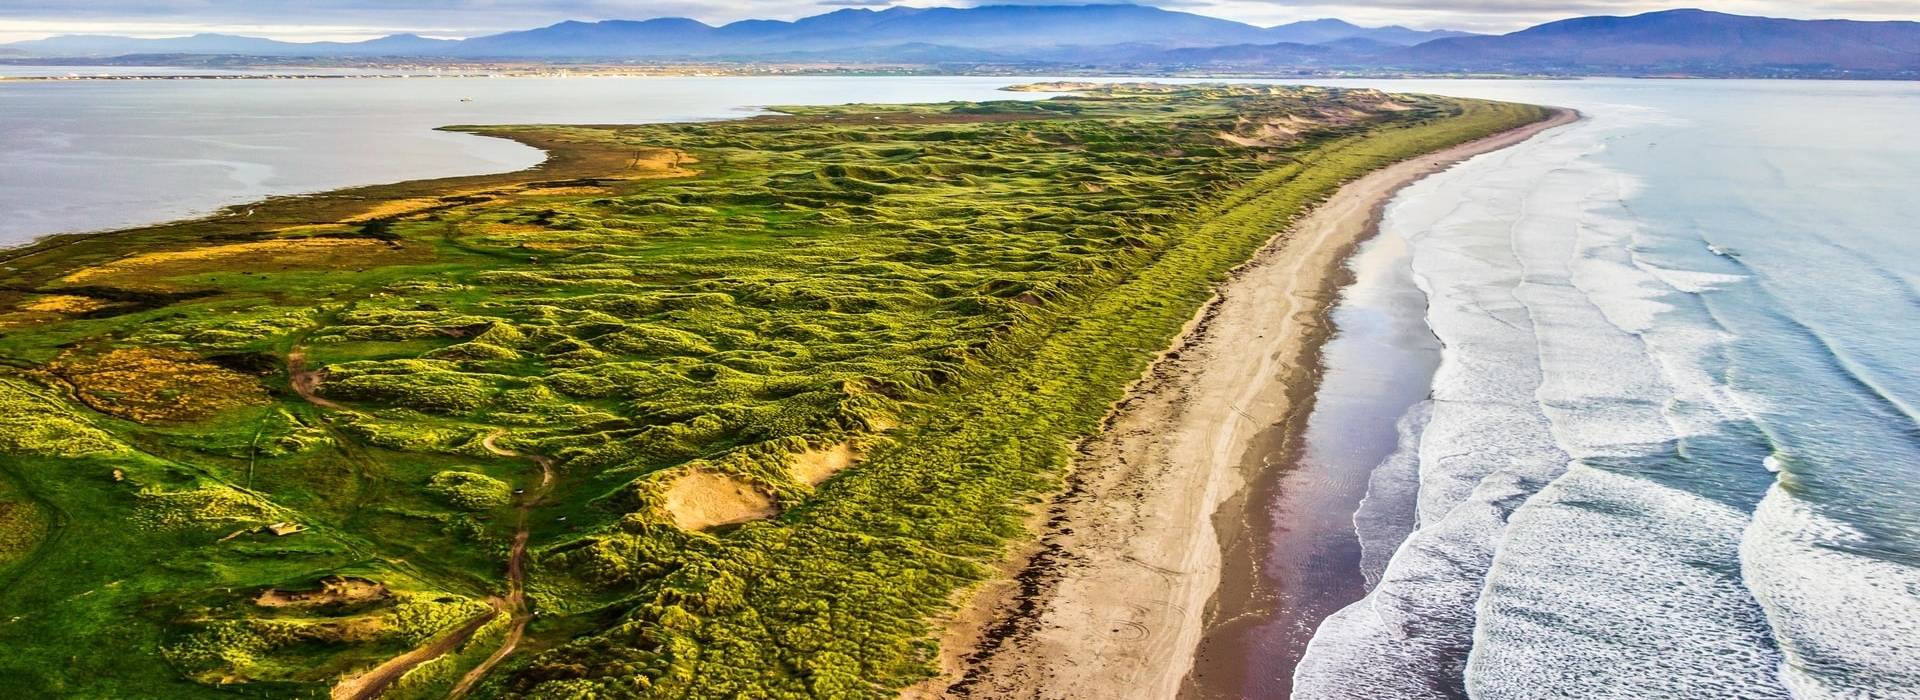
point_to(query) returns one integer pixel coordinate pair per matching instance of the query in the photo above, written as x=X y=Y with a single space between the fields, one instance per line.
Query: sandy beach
x=1114 y=598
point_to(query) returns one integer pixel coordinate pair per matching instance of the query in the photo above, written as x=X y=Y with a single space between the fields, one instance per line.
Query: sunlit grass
x=953 y=293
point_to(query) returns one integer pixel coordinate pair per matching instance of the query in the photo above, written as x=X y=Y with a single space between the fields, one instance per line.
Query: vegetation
x=952 y=293
x=471 y=491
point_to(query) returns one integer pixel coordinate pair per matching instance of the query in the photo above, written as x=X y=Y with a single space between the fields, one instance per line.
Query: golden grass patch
x=700 y=499
x=395 y=208
x=567 y=191
x=261 y=256
x=174 y=510
x=21 y=529
x=147 y=385
x=65 y=304
x=512 y=229
x=661 y=163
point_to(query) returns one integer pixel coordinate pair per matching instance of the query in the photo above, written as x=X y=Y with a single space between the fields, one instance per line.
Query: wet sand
x=1114 y=600
x=1297 y=558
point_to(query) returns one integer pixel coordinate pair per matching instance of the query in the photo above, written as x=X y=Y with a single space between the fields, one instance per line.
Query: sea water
x=1671 y=449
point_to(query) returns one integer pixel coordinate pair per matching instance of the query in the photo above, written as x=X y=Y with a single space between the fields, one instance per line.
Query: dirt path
x=305 y=382
x=1113 y=605
x=516 y=570
x=369 y=685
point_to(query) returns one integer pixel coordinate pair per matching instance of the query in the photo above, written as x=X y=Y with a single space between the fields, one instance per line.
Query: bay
x=81 y=156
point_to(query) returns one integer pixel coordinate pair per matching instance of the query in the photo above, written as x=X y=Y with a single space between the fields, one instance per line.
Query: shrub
x=471 y=490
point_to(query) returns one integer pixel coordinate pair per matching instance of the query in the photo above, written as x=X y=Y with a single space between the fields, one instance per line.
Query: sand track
x=307 y=382
x=372 y=684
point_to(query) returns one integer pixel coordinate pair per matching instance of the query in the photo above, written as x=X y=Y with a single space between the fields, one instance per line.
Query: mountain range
x=1132 y=38
x=1688 y=41
x=1000 y=30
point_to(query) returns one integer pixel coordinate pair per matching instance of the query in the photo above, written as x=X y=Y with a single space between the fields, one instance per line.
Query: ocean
x=1670 y=449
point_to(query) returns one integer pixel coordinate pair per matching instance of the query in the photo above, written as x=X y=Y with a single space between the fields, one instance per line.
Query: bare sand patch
x=333 y=590
x=816 y=466
x=700 y=499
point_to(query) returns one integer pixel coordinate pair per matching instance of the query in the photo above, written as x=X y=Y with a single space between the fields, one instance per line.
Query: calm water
x=94 y=155
x=15 y=71
x=1672 y=449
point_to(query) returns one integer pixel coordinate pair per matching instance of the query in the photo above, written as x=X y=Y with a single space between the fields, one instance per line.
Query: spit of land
x=738 y=409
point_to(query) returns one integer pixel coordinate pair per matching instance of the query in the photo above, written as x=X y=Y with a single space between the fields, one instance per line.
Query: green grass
x=960 y=289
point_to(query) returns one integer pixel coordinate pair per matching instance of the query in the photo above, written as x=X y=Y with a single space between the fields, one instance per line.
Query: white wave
x=1611 y=586
x=1484 y=450
x=1560 y=345
x=1848 y=624
x=1694 y=281
x=1386 y=514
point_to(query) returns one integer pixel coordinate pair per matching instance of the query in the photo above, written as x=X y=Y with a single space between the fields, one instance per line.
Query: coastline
x=1123 y=585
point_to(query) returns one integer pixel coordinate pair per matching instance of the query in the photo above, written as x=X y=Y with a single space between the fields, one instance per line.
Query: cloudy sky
x=302 y=20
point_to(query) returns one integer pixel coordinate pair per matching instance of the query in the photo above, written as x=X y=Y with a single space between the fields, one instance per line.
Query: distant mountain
x=1134 y=37
x=87 y=45
x=998 y=27
x=614 y=38
x=1284 y=54
x=1362 y=46
x=1007 y=32
x=898 y=53
x=1693 y=42
x=1321 y=31
x=396 y=45
x=1005 y=26
x=198 y=43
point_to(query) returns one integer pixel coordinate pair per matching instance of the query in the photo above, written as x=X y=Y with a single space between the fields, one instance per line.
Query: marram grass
x=956 y=292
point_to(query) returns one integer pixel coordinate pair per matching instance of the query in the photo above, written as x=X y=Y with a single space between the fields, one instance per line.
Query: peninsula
x=772 y=407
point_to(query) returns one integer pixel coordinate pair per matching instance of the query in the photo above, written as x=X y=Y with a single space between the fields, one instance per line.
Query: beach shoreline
x=1156 y=525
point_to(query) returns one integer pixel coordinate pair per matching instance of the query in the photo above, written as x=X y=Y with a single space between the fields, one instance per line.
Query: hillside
x=1689 y=41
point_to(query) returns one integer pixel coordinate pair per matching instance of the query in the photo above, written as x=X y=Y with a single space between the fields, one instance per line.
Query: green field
x=799 y=381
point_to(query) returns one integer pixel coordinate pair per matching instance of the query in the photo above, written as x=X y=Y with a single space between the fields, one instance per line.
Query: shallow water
x=1672 y=450
x=81 y=156
x=1379 y=366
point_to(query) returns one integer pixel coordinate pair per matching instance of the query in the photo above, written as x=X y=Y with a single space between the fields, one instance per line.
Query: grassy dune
x=800 y=380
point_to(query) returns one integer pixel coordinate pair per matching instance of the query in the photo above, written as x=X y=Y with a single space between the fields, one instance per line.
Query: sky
x=350 y=20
